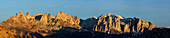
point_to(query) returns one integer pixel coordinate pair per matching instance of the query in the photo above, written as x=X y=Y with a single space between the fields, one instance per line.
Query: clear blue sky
x=156 y=11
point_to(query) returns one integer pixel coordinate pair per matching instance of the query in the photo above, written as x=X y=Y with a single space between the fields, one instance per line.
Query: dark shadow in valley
x=83 y=33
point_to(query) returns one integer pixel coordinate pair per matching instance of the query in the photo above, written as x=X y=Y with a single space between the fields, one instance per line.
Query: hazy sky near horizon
x=155 y=11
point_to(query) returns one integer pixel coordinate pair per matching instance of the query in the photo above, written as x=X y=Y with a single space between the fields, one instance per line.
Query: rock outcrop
x=5 y=33
x=117 y=23
x=67 y=17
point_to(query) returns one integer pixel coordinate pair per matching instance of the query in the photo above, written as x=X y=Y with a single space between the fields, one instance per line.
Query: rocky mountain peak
x=94 y=17
x=102 y=15
x=49 y=14
x=109 y=14
x=118 y=23
x=63 y=16
x=118 y=16
x=59 y=14
x=36 y=22
x=44 y=18
x=21 y=13
x=27 y=14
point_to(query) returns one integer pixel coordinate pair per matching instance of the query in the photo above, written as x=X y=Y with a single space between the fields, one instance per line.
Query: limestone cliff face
x=67 y=17
x=117 y=23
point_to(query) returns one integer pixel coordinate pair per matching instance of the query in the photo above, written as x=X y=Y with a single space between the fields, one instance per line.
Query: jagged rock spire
x=44 y=18
x=59 y=14
x=67 y=17
x=102 y=15
x=49 y=14
x=109 y=14
x=27 y=14
x=21 y=13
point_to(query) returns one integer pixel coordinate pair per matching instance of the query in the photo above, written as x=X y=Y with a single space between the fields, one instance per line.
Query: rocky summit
x=65 y=26
x=108 y=23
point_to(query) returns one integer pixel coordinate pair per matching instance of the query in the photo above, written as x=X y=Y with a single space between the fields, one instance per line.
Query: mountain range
x=65 y=26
